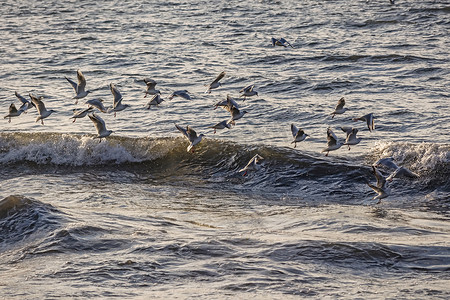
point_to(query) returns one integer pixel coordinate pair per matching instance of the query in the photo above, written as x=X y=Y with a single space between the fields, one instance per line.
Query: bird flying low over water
x=351 y=136
x=79 y=87
x=368 y=119
x=81 y=113
x=99 y=124
x=381 y=188
x=281 y=42
x=398 y=171
x=215 y=84
x=221 y=125
x=332 y=142
x=154 y=101
x=227 y=104
x=340 y=109
x=97 y=103
x=13 y=112
x=25 y=103
x=42 y=111
x=117 y=102
x=236 y=114
x=248 y=91
x=298 y=134
x=191 y=135
x=252 y=165
x=151 y=84
x=182 y=93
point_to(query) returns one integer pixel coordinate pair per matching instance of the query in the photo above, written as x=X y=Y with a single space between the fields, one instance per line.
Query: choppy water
x=136 y=216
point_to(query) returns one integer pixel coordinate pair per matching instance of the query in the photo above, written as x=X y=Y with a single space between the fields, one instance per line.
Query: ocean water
x=135 y=216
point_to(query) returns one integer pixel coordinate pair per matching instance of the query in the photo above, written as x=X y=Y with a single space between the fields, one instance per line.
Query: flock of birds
x=96 y=105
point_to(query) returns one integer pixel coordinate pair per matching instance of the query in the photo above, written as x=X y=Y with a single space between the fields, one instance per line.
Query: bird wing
x=340 y=104
x=283 y=41
x=182 y=130
x=347 y=130
x=38 y=103
x=274 y=41
x=74 y=84
x=381 y=181
x=117 y=95
x=387 y=162
x=191 y=134
x=294 y=130
x=150 y=83
x=21 y=99
x=81 y=81
x=219 y=77
x=331 y=137
x=98 y=123
x=247 y=88
x=12 y=109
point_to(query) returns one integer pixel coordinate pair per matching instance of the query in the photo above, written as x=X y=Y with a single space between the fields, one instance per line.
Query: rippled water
x=136 y=216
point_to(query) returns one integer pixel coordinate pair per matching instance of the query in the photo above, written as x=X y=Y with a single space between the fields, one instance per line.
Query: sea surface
x=136 y=216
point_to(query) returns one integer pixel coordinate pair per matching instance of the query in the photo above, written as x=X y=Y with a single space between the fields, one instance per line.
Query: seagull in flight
x=215 y=84
x=227 y=104
x=252 y=165
x=42 y=111
x=381 y=188
x=155 y=100
x=182 y=93
x=191 y=135
x=368 y=119
x=221 y=125
x=25 y=103
x=332 y=143
x=99 y=124
x=81 y=113
x=117 y=102
x=298 y=134
x=97 y=103
x=398 y=171
x=79 y=87
x=281 y=42
x=340 y=109
x=248 y=91
x=13 y=112
x=236 y=114
x=351 y=136
x=151 y=84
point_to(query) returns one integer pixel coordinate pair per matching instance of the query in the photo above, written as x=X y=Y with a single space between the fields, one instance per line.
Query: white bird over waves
x=99 y=124
x=13 y=112
x=151 y=84
x=215 y=84
x=42 y=111
x=227 y=104
x=398 y=171
x=81 y=113
x=25 y=103
x=351 y=136
x=221 y=125
x=80 y=87
x=117 y=102
x=97 y=103
x=368 y=119
x=382 y=188
x=252 y=165
x=236 y=114
x=332 y=143
x=182 y=93
x=248 y=91
x=298 y=134
x=155 y=100
x=340 y=109
x=281 y=42
x=191 y=135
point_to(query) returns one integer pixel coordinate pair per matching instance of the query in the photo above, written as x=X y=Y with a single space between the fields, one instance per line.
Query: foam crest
x=78 y=150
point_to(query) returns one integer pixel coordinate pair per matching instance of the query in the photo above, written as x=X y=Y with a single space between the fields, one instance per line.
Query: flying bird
x=81 y=113
x=351 y=136
x=25 y=103
x=227 y=104
x=281 y=42
x=298 y=134
x=42 y=111
x=381 y=188
x=154 y=101
x=13 y=112
x=117 y=102
x=151 y=84
x=97 y=103
x=368 y=119
x=79 y=87
x=340 y=109
x=236 y=114
x=248 y=91
x=191 y=135
x=99 y=124
x=332 y=142
x=221 y=125
x=252 y=165
x=215 y=84
x=182 y=93
x=398 y=171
